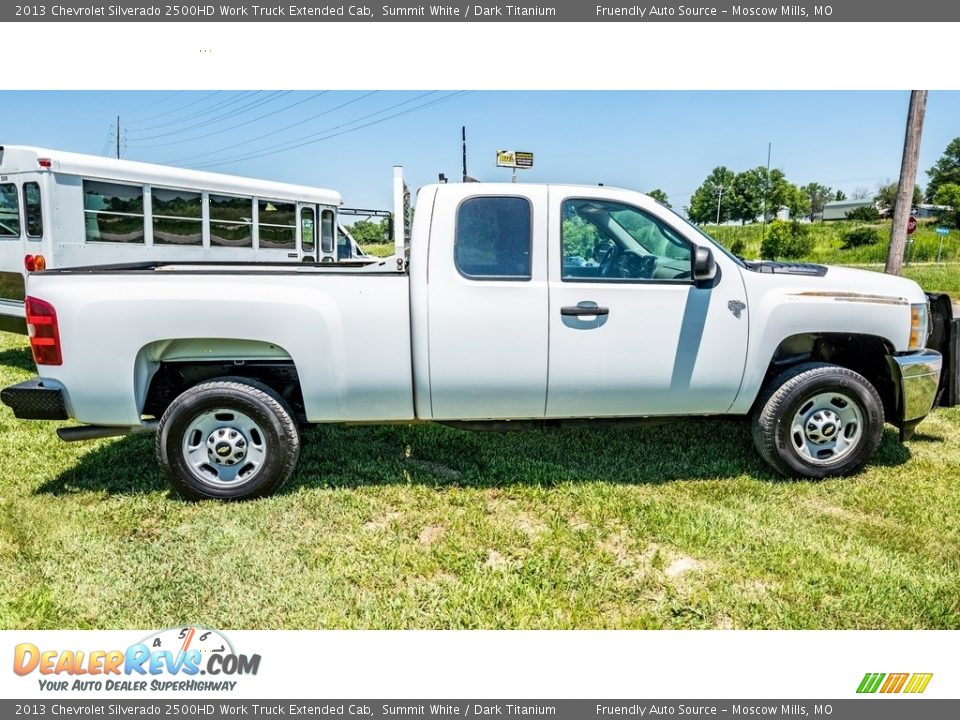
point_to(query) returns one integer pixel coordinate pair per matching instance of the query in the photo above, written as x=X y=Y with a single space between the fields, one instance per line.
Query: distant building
x=925 y=210
x=838 y=209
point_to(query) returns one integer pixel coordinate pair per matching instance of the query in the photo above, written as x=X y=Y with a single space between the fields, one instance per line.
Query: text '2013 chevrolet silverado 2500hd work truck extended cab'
x=537 y=303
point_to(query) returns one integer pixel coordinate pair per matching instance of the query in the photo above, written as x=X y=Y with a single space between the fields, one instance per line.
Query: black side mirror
x=704 y=266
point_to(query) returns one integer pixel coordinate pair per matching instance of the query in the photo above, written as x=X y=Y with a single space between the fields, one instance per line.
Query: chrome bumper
x=917 y=376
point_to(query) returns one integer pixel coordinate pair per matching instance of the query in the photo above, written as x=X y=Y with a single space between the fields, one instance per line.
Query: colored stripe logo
x=913 y=683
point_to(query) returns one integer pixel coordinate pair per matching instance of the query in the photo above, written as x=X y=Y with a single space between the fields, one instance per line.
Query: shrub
x=864 y=214
x=860 y=237
x=786 y=241
x=738 y=247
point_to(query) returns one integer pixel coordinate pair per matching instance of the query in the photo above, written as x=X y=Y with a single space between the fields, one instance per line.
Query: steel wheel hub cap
x=224 y=447
x=827 y=428
x=823 y=426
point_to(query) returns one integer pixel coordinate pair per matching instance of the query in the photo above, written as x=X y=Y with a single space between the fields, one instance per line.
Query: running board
x=95 y=432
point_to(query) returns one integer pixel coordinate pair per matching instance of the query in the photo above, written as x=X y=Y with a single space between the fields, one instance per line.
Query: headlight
x=919 y=325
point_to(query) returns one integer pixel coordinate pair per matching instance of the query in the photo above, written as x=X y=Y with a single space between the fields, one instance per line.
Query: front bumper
x=917 y=376
x=33 y=400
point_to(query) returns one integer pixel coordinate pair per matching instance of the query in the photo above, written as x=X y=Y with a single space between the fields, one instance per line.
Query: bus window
x=231 y=221
x=177 y=217
x=9 y=211
x=34 y=212
x=277 y=226
x=308 y=240
x=326 y=231
x=114 y=213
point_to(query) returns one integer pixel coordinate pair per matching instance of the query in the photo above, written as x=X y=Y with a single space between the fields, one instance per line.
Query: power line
x=153 y=103
x=343 y=132
x=349 y=122
x=177 y=109
x=243 y=97
x=244 y=123
x=232 y=146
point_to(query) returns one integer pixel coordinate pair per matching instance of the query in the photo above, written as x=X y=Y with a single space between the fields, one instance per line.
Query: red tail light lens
x=34 y=262
x=43 y=331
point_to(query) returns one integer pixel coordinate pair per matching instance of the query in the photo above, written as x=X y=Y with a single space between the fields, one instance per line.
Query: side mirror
x=704 y=266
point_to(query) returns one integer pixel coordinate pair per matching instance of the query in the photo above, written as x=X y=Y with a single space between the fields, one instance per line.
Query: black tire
x=801 y=392
x=257 y=419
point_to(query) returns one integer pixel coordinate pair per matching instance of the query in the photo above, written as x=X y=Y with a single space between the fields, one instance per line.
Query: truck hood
x=841 y=282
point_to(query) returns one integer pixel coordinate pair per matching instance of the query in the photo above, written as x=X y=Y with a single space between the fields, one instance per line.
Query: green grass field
x=675 y=526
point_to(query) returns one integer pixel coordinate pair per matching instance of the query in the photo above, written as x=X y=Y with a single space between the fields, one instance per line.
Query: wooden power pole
x=908 y=180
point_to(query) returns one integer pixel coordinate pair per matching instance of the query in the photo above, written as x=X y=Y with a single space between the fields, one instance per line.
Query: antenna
x=463 y=139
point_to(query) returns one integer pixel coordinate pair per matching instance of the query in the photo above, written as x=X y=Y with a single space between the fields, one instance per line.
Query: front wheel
x=228 y=439
x=816 y=420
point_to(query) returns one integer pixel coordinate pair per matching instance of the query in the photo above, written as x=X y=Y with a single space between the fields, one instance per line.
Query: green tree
x=817 y=196
x=579 y=238
x=368 y=232
x=660 y=196
x=797 y=202
x=867 y=213
x=786 y=241
x=839 y=195
x=756 y=191
x=886 y=196
x=949 y=194
x=946 y=170
x=703 y=203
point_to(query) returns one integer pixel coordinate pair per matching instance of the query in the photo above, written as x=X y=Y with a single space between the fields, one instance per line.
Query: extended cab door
x=487 y=302
x=631 y=334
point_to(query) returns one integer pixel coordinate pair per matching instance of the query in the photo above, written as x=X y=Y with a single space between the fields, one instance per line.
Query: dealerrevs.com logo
x=892 y=683
x=178 y=659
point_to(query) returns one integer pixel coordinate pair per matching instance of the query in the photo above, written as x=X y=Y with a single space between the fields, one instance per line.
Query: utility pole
x=766 y=191
x=118 y=137
x=720 y=190
x=463 y=140
x=908 y=180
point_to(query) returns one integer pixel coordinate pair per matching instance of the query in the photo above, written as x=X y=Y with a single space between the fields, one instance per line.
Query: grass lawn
x=676 y=526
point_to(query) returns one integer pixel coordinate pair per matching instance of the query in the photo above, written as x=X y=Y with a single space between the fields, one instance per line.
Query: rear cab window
x=494 y=238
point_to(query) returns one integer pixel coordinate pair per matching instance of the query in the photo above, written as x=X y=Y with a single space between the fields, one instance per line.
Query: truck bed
x=346 y=328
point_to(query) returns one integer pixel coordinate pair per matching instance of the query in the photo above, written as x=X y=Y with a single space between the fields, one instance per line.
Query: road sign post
x=942 y=232
x=911 y=229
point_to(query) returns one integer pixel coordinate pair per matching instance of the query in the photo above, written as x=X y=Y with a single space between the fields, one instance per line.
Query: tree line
x=746 y=196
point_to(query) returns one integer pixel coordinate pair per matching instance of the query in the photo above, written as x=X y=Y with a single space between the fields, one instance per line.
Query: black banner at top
x=484 y=11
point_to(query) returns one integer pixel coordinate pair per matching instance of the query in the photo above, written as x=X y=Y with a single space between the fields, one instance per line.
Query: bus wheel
x=231 y=438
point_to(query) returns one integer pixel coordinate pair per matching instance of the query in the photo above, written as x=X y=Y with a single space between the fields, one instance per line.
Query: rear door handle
x=584 y=310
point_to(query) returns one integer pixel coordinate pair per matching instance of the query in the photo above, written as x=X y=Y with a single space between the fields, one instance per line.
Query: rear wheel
x=229 y=439
x=816 y=420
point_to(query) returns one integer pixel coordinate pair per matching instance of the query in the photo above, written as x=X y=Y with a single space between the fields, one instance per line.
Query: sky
x=349 y=141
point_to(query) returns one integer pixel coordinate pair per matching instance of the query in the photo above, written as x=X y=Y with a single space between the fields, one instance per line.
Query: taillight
x=43 y=331
x=34 y=263
x=46 y=163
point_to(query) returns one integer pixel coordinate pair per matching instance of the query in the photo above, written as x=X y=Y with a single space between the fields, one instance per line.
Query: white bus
x=60 y=209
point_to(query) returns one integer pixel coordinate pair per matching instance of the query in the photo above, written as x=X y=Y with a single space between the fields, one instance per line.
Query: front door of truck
x=631 y=334
x=487 y=297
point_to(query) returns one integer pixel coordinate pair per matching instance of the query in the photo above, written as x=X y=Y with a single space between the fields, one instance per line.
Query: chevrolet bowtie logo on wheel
x=894 y=683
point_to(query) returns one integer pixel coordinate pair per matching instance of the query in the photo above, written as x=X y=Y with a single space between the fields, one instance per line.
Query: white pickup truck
x=533 y=304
